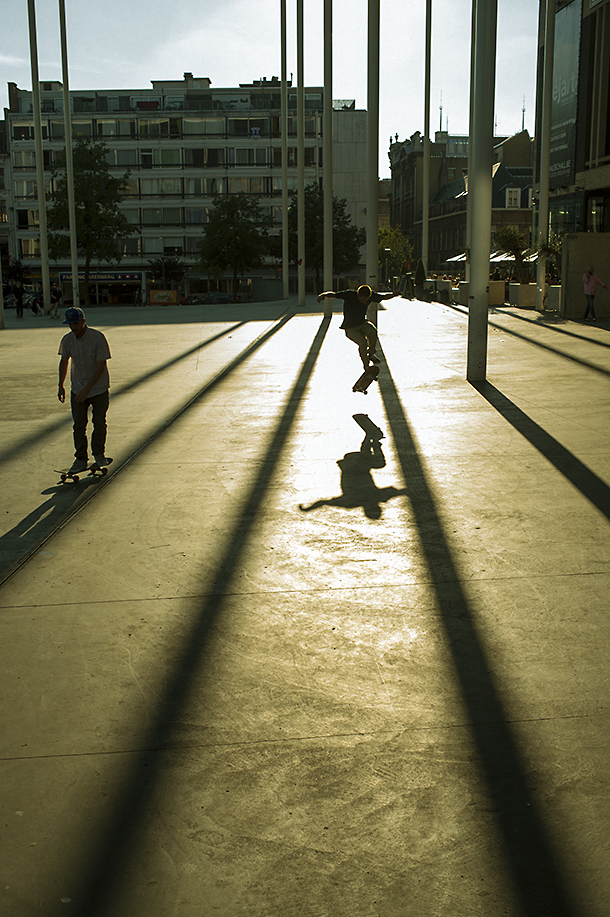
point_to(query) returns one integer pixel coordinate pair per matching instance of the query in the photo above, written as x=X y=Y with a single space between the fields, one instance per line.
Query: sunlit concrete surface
x=268 y=668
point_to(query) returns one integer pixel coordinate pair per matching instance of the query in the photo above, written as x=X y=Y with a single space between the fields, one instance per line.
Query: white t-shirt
x=85 y=352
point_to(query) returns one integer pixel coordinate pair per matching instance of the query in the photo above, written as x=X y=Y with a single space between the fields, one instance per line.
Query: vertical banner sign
x=562 y=167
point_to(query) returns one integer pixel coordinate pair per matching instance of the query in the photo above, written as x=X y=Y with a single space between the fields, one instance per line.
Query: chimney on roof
x=188 y=76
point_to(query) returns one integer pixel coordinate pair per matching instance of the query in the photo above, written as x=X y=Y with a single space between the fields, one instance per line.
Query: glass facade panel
x=84 y=128
x=154 y=127
x=107 y=128
x=170 y=186
x=166 y=157
x=214 y=125
x=24 y=159
x=192 y=126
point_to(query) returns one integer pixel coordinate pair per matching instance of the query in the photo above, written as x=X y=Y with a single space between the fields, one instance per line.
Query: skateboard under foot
x=368 y=376
x=92 y=470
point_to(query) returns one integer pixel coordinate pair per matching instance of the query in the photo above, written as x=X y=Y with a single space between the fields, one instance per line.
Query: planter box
x=497 y=292
x=523 y=295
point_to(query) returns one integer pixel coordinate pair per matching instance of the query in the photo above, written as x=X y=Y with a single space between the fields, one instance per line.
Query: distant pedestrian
x=591 y=280
x=56 y=298
x=18 y=293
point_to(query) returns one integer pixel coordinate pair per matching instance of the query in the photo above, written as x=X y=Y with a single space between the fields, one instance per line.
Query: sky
x=127 y=43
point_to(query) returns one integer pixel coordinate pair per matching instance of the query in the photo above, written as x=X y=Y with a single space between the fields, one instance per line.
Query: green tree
x=347 y=239
x=553 y=250
x=513 y=242
x=168 y=269
x=235 y=238
x=14 y=270
x=401 y=252
x=97 y=195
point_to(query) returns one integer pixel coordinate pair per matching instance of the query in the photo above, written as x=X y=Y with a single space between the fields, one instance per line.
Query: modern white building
x=184 y=142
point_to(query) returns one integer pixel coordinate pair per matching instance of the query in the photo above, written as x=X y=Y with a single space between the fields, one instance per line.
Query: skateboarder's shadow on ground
x=357 y=485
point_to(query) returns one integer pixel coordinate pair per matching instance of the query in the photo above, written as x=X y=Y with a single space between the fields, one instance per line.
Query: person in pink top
x=591 y=280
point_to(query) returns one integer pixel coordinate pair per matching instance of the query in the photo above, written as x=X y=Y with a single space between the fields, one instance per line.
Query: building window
x=192 y=126
x=25 y=189
x=170 y=186
x=24 y=130
x=129 y=246
x=166 y=157
x=152 y=246
x=107 y=128
x=29 y=248
x=126 y=157
x=154 y=128
x=27 y=219
x=126 y=128
x=214 y=125
x=82 y=128
x=129 y=187
x=173 y=246
x=24 y=159
x=198 y=216
x=513 y=197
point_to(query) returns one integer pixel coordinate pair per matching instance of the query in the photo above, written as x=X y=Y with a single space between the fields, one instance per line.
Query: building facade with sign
x=184 y=143
x=579 y=174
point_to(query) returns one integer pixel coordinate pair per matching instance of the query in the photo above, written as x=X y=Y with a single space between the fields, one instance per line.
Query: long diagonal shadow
x=24 y=444
x=586 y=481
x=111 y=856
x=52 y=524
x=529 y=851
x=548 y=347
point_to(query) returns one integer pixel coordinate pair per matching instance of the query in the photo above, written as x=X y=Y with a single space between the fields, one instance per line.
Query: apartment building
x=184 y=143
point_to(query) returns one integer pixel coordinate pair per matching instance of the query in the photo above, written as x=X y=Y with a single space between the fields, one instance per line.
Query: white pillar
x=40 y=188
x=545 y=150
x=470 y=130
x=301 y=153
x=372 y=183
x=328 y=152
x=284 y=132
x=425 y=228
x=69 y=160
x=481 y=187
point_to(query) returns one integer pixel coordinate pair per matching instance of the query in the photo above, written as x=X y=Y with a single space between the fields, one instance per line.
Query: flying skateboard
x=367 y=377
x=93 y=470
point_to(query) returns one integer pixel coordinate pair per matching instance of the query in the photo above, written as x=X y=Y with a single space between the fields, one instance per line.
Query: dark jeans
x=590 y=305
x=99 y=407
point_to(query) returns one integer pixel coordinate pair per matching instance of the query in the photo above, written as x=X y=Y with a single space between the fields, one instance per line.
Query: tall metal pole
x=328 y=152
x=284 y=132
x=40 y=187
x=471 y=128
x=481 y=184
x=69 y=159
x=426 y=176
x=545 y=152
x=301 y=152
x=372 y=183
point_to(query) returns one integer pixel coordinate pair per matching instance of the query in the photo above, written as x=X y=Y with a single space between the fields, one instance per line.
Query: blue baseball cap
x=73 y=316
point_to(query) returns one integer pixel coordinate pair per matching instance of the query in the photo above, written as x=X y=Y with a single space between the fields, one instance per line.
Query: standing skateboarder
x=88 y=349
x=362 y=332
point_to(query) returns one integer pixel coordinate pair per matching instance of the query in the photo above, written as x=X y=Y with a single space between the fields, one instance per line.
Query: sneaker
x=78 y=465
x=101 y=460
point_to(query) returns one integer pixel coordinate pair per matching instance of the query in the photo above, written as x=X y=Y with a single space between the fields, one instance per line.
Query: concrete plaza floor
x=268 y=668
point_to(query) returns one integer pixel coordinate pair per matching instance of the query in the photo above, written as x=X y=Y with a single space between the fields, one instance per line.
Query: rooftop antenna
x=440 y=127
x=523 y=115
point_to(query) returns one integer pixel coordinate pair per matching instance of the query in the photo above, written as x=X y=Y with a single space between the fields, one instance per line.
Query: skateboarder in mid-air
x=88 y=349
x=362 y=332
